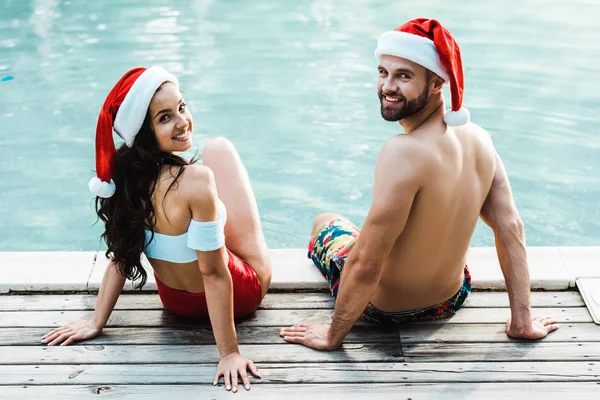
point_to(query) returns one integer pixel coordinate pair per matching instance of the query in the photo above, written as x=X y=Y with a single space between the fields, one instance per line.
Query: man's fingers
x=551 y=328
x=253 y=369
x=549 y=321
x=294 y=339
x=291 y=329
x=295 y=334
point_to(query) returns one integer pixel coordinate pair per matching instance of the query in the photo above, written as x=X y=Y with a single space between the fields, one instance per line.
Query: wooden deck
x=148 y=354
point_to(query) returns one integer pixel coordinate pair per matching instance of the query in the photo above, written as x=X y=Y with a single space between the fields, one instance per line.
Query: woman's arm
x=110 y=289
x=218 y=286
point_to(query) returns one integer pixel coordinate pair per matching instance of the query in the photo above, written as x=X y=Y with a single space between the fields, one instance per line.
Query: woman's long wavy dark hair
x=130 y=211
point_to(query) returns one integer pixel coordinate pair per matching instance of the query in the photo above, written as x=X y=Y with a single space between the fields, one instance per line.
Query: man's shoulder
x=403 y=146
x=402 y=158
x=476 y=133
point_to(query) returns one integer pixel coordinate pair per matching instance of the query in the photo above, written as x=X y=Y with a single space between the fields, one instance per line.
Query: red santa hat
x=124 y=111
x=427 y=43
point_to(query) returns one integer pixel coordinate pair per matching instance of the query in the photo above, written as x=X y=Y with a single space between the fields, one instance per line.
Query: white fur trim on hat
x=102 y=189
x=133 y=110
x=415 y=48
x=457 y=118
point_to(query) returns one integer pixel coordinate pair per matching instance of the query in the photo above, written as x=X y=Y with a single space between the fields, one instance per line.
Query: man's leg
x=332 y=238
x=324 y=219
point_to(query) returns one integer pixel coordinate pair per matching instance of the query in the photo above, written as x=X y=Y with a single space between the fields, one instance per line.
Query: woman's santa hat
x=124 y=111
x=427 y=43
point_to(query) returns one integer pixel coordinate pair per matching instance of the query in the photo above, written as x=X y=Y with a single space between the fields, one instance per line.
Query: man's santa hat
x=427 y=43
x=124 y=111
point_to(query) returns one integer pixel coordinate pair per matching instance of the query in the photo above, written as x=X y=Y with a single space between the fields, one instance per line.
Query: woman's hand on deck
x=67 y=334
x=232 y=366
x=316 y=336
x=538 y=328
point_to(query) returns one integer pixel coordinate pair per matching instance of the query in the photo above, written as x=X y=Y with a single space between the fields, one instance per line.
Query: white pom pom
x=100 y=188
x=457 y=118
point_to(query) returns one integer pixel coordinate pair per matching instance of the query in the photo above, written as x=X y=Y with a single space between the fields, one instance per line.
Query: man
x=431 y=185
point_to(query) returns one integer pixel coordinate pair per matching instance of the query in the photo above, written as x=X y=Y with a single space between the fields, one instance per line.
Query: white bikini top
x=203 y=236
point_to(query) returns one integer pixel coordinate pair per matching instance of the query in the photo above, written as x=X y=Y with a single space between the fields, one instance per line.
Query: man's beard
x=408 y=108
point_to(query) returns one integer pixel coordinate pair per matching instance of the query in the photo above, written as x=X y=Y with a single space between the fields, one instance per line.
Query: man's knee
x=323 y=219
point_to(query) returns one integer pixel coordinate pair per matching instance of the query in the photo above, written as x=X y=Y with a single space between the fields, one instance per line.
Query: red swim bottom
x=247 y=293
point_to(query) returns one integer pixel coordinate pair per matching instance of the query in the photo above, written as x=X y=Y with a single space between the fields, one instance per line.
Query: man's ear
x=438 y=84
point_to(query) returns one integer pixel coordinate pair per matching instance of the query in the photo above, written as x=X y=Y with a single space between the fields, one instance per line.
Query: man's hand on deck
x=316 y=336
x=538 y=328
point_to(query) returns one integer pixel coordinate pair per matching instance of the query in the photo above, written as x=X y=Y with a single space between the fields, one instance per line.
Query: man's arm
x=396 y=183
x=500 y=213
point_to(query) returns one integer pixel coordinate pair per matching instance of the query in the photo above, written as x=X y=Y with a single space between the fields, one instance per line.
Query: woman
x=197 y=224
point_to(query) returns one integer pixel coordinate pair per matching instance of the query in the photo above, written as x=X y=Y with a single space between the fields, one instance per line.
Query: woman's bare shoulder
x=198 y=185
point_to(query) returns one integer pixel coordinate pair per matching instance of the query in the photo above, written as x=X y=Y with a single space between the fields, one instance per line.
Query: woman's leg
x=243 y=232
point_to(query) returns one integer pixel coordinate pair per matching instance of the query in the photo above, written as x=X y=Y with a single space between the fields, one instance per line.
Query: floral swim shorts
x=329 y=249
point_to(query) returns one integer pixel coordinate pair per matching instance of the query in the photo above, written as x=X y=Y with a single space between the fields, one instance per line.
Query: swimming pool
x=292 y=84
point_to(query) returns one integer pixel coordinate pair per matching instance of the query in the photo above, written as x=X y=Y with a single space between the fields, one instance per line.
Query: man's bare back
x=426 y=263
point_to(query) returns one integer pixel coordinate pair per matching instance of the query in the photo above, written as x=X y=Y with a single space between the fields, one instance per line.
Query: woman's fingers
x=245 y=379
x=54 y=336
x=54 y=333
x=59 y=339
x=227 y=379
x=234 y=380
x=217 y=376
x=253 y=369
x=69 y=340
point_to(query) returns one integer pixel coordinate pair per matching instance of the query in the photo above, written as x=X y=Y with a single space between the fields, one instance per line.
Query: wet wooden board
x=490 y=333
x=324 y=373
x=147 y=353
x=194 y=354
x=349 y=391
x=189 y=335
x=272 y=301
x=510 y=351
x=158 y=318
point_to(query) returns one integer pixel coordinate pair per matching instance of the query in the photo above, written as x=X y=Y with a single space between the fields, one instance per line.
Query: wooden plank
x=414 y=391
x=512 y=351
x=189 y=335
x=538 y=299
x=188 y=354
x=490 y=333
x=325 y=373
x=273 y=301
x=263 y=317
x=422 y=352
x=156 y=318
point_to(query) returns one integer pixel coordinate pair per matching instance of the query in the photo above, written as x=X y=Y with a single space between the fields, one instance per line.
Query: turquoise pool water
x=292 y=84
